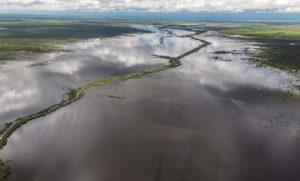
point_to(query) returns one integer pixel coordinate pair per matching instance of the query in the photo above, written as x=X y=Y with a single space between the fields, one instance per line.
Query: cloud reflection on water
x=176 y=121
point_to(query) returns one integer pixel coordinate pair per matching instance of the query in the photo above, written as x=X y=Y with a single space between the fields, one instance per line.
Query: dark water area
x=209 y=119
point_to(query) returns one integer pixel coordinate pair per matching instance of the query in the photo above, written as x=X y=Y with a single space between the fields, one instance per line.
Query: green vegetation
x=7 y=125
x=40 y=36
x=45 y=35
x=76 y=94
x=62 y=31
x=280 y=44
x=222 y=52
x=221 y=59
x=5 y=170
x=72 y=94
x=113 y=96
x=2 y=163
x=271 y=32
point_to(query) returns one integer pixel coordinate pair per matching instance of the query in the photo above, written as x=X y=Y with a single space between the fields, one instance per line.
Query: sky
x=258 y=7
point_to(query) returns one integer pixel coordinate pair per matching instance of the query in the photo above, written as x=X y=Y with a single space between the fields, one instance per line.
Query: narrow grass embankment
x=76 y=94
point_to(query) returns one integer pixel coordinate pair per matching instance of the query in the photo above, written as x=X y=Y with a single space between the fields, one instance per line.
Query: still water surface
x=216 y=117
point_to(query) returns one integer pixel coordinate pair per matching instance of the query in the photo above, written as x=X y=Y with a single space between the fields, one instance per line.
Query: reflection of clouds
x=20 y=87
x=174 y=46
x=27 y=86
x=153 y=103
x=131 y=50
x=180 y=32
x=66 y=67
x=151 y=28
x=127 y=50
x=25 y=89
x=83 y=45
x=12 y=66
x=222 y=74
x=18 y=93
x=123 y=55
x=15 y=100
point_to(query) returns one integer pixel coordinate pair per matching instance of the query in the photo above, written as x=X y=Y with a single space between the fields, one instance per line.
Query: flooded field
x=214 y=117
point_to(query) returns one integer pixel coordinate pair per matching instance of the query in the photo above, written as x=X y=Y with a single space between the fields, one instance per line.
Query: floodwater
x=215 y=118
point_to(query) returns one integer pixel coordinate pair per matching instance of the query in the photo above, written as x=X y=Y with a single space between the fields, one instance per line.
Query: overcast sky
x=292 y=6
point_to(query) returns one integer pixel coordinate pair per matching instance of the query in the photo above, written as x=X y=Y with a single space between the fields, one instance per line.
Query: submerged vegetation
x=45 y=35
x=280 y=44
x=5 y=170
x=78 y=93
x=113 y=96
x=72 y=94
x=67 y=31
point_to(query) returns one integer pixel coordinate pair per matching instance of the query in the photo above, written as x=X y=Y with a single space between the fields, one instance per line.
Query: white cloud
x=151 y=5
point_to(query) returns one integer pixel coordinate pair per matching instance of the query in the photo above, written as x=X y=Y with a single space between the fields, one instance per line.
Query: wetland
x=179 y=101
